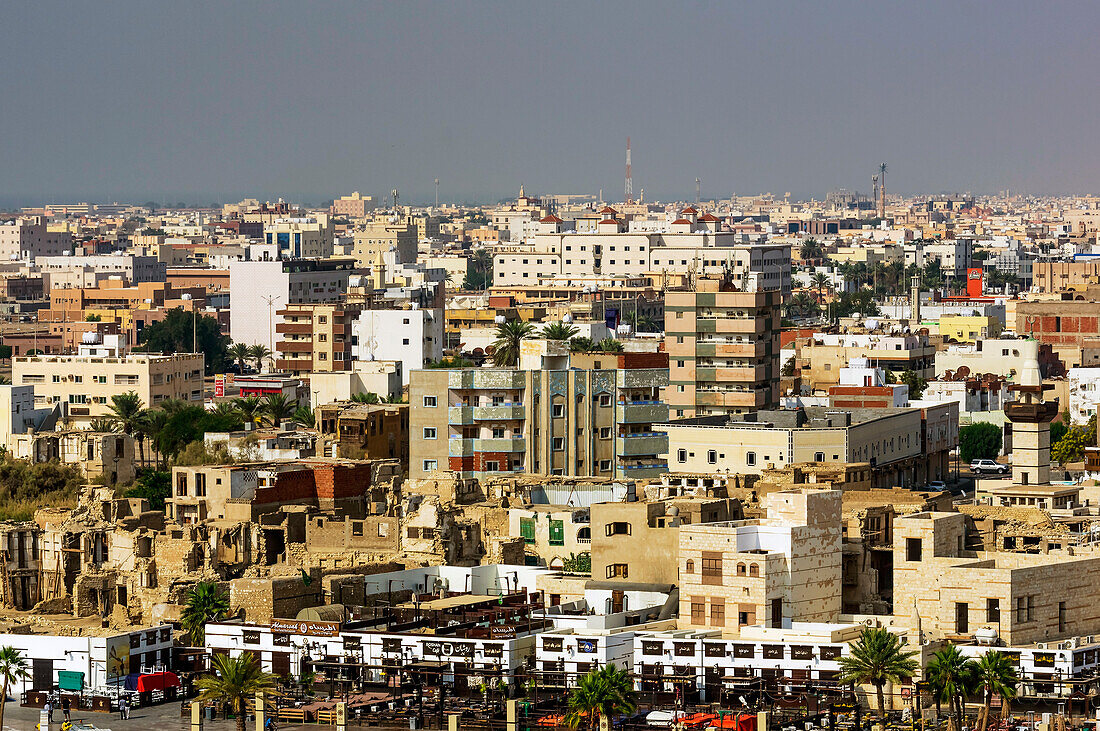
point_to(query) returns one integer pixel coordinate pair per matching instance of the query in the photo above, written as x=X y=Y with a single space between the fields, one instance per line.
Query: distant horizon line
x=14 y=204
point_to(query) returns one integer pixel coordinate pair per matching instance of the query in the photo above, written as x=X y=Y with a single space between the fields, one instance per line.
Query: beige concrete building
x=723 y=350
x=591 y=422
x=950 y=592
x=301 y=238
x=904 y=446
x=355 y=205
x=87 y=381
x=781 y=569
x=378 y=237
x=826 y=353
x=314 y=337
x=636 y=541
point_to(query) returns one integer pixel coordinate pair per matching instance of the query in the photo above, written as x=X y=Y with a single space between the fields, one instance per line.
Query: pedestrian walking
x=66 y=708
x=49 y=710
x=123 y=707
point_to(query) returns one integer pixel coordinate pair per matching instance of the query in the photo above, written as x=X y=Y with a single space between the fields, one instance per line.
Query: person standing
x=66 y=708
x=49 y=710
x=124 y=707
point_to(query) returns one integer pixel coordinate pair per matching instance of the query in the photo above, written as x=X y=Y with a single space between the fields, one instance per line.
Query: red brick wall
x=476 y=461
x=643 y=360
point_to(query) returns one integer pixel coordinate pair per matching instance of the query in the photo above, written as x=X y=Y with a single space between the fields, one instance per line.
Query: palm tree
x=645 y=324
x=303 y=416
x=821 y=281
x=877 y=658
x=994 y=674
x=609 y=345
x=102 y=424
x=240 y=353
x=259 y=353
x=606 y=692
x=952 y=677
x=278 y=408
x=367 y=397
x=251 y=408
x=581 y=344
x=509 y=335
x=558 y=331
x=150 y=428
x=234 y=680
x=127 y=410
x=226 y=409
x=207 y=602
x=13 y=667
x=810 y=249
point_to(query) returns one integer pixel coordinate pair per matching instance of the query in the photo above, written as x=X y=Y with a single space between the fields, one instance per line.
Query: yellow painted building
x=969 y=328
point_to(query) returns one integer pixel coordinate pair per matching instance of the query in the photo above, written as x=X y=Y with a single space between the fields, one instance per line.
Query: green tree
x=150 y=428
x=952 y=678
x=820 y=280
x=581 y=344
x=877 y=658
x=509 y=336
x=607 y=692
x=994 y=675
x=788 y=368
x=610 y=345
x=259 y=353
x=155 y=486
x=174 y=334
x=850 y=303
x=303 y=416
x=810 y=248
x=206 y=602
x=102 y=424
x=240 y=353
x=558 y=331
x=13 y=668
x=278 y=408
x=578 y=563
x=1071 y=447
x=366 y=397
x=251 y=409
x=127 y=411
x=915 y=383
x=233 y=682
x=980 y=440
x=449 y=362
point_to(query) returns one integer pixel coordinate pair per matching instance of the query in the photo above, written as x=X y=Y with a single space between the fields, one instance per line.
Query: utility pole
x=437 y=192
x=270 y=299
x=629 y=176
x=697 y=192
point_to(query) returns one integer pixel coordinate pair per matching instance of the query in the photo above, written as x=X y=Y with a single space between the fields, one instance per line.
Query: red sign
x=974 y=282
x=219 y=386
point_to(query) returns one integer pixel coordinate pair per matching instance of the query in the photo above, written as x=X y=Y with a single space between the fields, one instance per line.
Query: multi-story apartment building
x=903 y=446
x=379 y=237
x=87 y=381
x=300 y=238
x=780 y=569
x=134 y=268
x=723 y=348
x=353 y=206
x=113 y=295
x=825 y=354
x=583 y=422
x=262 y=288
x=692 y=246
x=315 y=338
x=28 y=238
x=412 y=336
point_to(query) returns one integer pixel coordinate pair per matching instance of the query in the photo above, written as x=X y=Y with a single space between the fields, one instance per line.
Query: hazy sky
x=199 y=102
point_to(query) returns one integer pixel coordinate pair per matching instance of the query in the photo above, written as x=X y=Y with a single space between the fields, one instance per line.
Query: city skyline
x=178 y=103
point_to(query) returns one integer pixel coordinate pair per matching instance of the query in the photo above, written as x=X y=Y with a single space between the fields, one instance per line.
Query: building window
x=962 y=617
x=698 y=610
x=357 y=528
x=605 y=400
x=712 y=456
x=717 y=613
x=557 y=533
x=689 y=567
x=430 y=465
x=617 y=529
x=605 y=465
x=912 y=549
x=492 y=466
x=1061 y=617
x=605 y=432
x=527 y=529
x=754 y=570
x=429 y=401
x=559 y=444
x=681 y=455
x=750 y=458
x=992 y=610
x=616 y=570
x=429 y=432
x=1021 y=609
x=712 y=568
x=558 y=411
x=819 y=456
